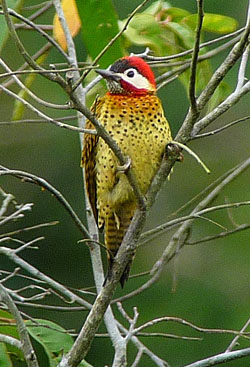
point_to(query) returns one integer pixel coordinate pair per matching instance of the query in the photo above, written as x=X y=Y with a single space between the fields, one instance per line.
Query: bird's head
x=129 y=76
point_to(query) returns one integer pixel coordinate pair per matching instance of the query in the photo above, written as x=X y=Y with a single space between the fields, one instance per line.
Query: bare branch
x=8 y=198
x=39 y=53
x=31 y=94
x=142 y=349
x=43 y=7
x=22 y=50
x=242 y=227
x=28 y=177
x=38 y=274
x=186 y=63
x=242 y=69
x=179 y=239
x=196 y=215
x=244 y=60
x=155 y=59
x=235 y=340
x=185 y=131
x=38 y=29
x=26 y=229
x=242 y=119
x=16 y=214
x=221 y=358
x=189 y=324
x=218 y=111
x=28 y=351
x=41 y=114
x=193 y=66
x=11 y=341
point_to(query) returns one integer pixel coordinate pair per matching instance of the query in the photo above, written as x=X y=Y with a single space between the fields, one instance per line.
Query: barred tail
x=115 y=230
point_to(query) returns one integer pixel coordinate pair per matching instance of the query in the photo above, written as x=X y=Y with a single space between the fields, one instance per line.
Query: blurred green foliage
x=210 y=281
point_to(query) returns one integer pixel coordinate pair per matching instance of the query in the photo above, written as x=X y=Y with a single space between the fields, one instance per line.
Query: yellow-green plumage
x=138 y=126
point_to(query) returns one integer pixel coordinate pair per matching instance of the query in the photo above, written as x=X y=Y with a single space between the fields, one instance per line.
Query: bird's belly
x=115 y=188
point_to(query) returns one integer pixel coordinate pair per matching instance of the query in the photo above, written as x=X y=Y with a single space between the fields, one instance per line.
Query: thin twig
x=55 y=71
x=180 y=237
x=241 y=227
x=26 y=229
x=57 y=78
x=193 y=66
x=209 y=133
x=185 y=131
x=28 y=177
x=186 y=64
x=235 y=340
x=156 y=59
x=22 y=208
x=38 y=274
x=28 y=351
x=219 y=110
x=221 y=358
x=8 y=198
x=38 y=29
x=11 y=341
x=47 y=118
x=144 y=350
x=31 y=94
x=189 y=324
x=44 y=49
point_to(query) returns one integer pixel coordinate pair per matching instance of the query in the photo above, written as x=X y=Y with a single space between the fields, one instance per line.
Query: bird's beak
x=108 y=74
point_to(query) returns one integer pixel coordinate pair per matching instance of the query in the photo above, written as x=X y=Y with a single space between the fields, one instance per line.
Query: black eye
x=130 y=74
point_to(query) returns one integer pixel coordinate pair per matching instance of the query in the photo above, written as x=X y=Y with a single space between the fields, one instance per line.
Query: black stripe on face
x=121 y=65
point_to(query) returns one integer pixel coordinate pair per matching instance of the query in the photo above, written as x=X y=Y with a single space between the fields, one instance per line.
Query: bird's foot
x=124 y=167
x=175 y=150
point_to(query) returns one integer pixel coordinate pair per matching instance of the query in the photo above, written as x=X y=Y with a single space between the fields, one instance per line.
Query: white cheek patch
x=138 y=81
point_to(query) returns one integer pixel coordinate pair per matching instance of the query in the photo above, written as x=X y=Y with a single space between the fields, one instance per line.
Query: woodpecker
x=133 y=115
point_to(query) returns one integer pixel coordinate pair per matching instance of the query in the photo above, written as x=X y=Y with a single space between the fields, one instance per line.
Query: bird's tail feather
x=115 y=229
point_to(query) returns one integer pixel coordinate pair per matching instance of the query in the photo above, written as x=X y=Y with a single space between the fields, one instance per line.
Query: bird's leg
x=124 y=168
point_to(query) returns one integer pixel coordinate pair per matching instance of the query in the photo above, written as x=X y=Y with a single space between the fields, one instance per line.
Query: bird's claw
x=174 y=150
x=124 y=167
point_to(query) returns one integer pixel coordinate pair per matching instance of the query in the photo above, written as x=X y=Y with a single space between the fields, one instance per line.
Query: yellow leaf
x=73 y=21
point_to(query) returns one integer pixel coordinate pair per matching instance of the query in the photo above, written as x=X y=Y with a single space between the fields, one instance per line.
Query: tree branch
x=28 y=177
x=193 y=66
x=28 y=351
x=237 y=51
x=221 y=358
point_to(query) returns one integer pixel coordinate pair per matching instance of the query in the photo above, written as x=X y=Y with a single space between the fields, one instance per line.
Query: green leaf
x=4 y=356
x=99 y=26
x=184 y=34
x=53 y=338
x=175 y=14
x=143 y=30
x=10 y=330
x=4 y=33
x=215 y=23
x=156 y=7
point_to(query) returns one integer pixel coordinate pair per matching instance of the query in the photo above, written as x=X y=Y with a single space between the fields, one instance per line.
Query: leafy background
x=210 y=281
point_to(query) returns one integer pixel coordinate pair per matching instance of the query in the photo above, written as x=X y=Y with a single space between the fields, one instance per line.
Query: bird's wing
x=88 y=159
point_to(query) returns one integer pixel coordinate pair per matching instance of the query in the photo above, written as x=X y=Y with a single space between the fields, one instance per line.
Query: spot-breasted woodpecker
x=133 y=116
